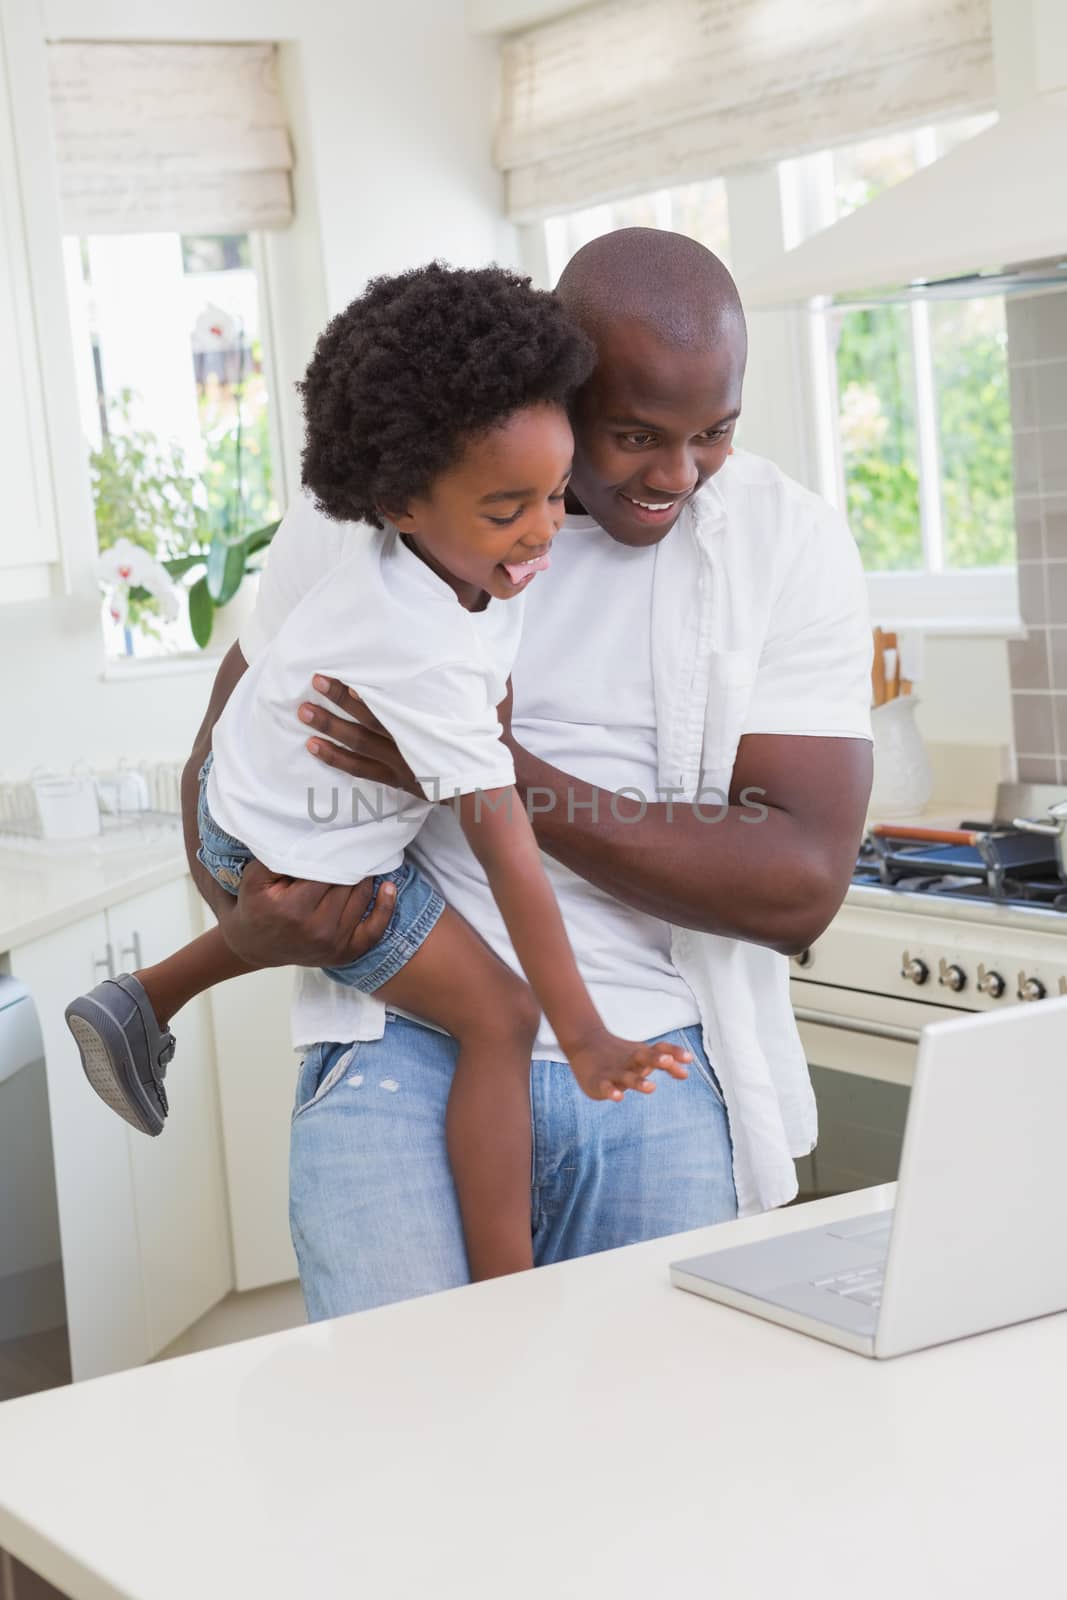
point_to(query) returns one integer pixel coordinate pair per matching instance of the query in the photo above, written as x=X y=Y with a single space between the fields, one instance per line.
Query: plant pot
x=903 y=779
x=231 y=618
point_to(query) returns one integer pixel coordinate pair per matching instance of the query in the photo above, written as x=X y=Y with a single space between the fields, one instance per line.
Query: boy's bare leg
x=179 y=978
x=457 y=982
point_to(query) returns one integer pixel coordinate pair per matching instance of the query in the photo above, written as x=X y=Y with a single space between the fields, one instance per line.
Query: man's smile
x=656 y=510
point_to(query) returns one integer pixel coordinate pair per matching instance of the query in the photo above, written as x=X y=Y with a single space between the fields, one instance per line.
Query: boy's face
x=652 y=424
x=487 y=524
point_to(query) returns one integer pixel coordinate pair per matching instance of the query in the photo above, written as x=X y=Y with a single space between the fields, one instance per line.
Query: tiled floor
x=40 y=1361
x=242 y=1316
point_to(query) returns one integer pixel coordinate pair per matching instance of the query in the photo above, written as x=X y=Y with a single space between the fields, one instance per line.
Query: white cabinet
x=143 y=1222
x=257 y=1081
x=94 y=1183
x=178 y=1184
x=28 y=540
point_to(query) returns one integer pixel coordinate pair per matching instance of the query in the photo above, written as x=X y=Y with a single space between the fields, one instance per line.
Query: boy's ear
x=401 y=517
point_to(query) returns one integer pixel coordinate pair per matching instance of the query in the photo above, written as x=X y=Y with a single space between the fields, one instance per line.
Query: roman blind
x=630 y=95
x=186 y=138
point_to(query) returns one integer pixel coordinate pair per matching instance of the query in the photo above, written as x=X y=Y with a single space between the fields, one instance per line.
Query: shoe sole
x=109 y=1066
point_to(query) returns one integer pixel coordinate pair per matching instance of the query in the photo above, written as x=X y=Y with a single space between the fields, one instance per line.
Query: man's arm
x=772 y=871
x=776 y=881
x=232 y=668
x=276 y=921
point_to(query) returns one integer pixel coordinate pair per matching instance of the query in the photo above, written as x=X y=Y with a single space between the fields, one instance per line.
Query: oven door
x=861 y=1051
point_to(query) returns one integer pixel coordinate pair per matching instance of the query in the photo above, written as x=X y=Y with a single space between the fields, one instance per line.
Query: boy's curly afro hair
x=415 y=368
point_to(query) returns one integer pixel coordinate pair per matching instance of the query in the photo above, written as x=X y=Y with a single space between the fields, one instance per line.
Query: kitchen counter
x=578 y=1433
x=41 y=890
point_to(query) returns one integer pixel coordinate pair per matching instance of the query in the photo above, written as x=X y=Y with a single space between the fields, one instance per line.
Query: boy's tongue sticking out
x=518 y=570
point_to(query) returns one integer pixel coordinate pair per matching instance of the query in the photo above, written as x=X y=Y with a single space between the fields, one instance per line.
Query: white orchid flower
x=118 y=605
x=215 y=329
x=124 y=563
x=125 y=566
x=169 y=605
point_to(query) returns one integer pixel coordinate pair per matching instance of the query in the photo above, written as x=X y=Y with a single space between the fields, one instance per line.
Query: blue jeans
x=371 y=1203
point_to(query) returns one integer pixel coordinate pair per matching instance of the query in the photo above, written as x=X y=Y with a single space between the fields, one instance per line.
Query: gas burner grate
x=991 y=862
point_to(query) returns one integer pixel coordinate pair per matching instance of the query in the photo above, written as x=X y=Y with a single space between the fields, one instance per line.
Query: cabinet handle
x=133 y=949
x=106 y=961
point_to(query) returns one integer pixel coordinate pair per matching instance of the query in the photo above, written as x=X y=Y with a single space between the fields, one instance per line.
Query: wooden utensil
x=878 y=669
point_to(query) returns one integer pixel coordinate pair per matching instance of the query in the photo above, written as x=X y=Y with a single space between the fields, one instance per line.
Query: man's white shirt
x=641 y=670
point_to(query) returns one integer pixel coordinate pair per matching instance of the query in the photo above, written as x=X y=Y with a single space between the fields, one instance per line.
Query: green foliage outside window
x=879 y=434
x=974 y=425
x=879 y=442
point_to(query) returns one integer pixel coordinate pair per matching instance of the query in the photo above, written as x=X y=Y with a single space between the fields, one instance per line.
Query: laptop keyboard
x=861 y=1284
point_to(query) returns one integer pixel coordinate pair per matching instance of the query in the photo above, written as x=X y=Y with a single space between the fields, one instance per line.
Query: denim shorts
x=417 y=909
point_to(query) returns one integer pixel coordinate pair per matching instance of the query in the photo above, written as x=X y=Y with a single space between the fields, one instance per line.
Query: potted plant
x=165 y=533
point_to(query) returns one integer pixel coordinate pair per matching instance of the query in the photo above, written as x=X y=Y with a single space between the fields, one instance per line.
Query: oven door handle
x=874 y=1030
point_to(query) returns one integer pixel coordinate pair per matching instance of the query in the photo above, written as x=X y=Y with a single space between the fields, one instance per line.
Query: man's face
x=652 y=424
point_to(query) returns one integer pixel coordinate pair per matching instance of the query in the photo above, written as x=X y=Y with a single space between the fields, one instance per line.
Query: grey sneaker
x=124 y=1051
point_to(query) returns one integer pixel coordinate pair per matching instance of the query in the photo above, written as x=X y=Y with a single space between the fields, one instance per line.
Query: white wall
x=394 y=136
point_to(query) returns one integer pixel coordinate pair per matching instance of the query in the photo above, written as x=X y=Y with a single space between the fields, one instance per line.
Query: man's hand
x=279 y=922
x=362 y=748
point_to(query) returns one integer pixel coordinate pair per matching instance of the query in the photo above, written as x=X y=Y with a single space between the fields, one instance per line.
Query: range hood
x=990 y=215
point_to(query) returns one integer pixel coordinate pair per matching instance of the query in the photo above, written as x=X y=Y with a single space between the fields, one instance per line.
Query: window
x=174 y=396
x=697 y=209
x=920 y=433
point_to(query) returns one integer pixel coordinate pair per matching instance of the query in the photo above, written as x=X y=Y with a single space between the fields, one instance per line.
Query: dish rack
x=138 y=802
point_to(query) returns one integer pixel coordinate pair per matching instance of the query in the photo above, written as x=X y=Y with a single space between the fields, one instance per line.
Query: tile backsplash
x=1037 y=357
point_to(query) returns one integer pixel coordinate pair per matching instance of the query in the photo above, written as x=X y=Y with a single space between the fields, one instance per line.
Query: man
x=689 y=725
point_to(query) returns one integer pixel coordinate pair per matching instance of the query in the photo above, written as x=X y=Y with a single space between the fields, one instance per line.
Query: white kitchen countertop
x=41 y=891
x=585 y=1432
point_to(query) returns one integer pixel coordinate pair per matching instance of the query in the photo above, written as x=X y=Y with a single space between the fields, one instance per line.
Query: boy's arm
x=276 y=921
x=498 y=831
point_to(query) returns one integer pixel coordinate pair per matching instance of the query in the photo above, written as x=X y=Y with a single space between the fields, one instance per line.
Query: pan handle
x=886 y=830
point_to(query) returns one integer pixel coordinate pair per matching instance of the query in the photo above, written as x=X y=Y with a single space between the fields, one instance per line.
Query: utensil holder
x=903 y=778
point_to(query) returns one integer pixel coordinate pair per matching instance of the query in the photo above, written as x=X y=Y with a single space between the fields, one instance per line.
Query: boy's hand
x=607 y=1068
x=363 y=748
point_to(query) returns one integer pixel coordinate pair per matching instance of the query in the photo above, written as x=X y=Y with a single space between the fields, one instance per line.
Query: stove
x=932 y=928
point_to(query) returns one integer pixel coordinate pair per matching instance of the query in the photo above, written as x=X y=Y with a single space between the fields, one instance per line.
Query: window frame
x=120 y=667
x=979 y=600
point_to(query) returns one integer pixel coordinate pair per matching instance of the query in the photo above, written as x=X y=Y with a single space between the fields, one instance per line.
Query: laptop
x=978 y=1236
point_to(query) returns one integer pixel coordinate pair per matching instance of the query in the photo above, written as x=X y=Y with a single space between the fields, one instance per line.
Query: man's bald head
x=666 y=282
x=657 y=416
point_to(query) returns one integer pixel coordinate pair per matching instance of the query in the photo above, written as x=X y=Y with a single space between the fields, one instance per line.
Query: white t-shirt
x=758 y=625
x=433 y=672
x=583 y=702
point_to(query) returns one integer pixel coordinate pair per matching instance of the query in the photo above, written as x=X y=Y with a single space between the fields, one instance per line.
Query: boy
x=436 y=413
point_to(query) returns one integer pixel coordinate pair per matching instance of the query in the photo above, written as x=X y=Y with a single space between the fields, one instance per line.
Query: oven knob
x=1030 y=988
x=990 y=983
x=952 y=977
x=911 y=967
x=804 y=958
